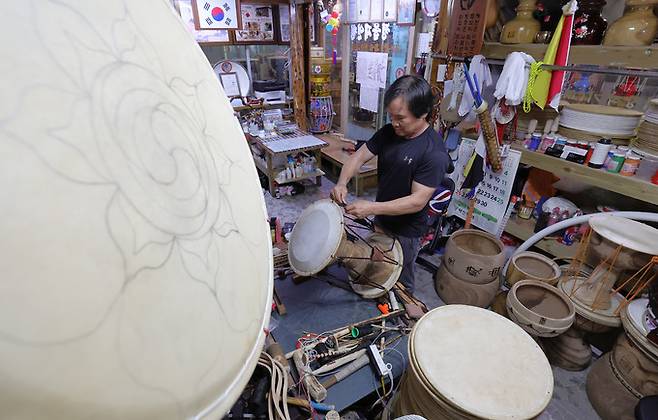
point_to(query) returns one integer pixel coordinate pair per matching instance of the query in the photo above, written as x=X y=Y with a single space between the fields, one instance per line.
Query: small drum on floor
x=530 y=265
x=324 y=235
x=539 y=308
x=470 y=363
x=629 y=371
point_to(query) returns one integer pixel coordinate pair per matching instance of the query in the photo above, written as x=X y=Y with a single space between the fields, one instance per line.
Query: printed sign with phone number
x=493 y=192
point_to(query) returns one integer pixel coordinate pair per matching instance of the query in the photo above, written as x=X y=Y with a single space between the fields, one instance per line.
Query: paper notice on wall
x=369 y=98
x=493 y=193
x=371 y=69
x=423 y=45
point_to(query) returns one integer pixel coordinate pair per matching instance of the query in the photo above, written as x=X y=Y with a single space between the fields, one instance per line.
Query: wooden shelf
x=524 y=229
x=636 y=57
x=629 y=186
x=305 y=176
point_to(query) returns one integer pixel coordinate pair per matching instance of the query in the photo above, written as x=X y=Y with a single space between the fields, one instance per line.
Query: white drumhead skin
x=136 y=257
x=482 y=362
x=315 y=237
x=629 y=233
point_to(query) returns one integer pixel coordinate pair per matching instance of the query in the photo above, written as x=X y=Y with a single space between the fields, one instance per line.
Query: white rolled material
x=633 y=215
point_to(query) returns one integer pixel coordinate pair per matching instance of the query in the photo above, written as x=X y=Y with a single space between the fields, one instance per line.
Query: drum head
x=481 y=362
x=626 y=232
x=605 y=317
x=633 y=320
x=316 y=237
x=136 y=255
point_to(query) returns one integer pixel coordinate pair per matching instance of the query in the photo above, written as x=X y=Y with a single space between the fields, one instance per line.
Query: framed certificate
x=230 y=84
x=257 y=24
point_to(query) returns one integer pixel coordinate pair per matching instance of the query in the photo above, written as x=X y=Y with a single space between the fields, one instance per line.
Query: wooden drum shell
x=530 y=265
x=619 y=379
x=540 y=309
x=474 y=256
x=453 y=290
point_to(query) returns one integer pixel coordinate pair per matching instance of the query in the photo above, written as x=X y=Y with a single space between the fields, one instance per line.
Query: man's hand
x=339 y=194
x=360 y=209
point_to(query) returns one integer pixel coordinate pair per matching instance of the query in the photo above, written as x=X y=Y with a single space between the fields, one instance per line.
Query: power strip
x=377 y=362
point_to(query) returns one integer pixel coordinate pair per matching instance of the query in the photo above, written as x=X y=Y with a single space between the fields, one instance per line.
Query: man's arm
x=354 y=163
x=413 y=203
x=350 y=168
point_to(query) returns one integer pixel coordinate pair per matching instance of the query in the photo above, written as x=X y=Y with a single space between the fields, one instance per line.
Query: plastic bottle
x=600 y=153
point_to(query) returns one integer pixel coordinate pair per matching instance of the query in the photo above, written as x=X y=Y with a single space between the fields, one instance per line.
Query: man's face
x=404 y=122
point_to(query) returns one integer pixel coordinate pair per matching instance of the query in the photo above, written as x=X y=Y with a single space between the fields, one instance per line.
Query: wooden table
x=260 y=147
x=334 y=157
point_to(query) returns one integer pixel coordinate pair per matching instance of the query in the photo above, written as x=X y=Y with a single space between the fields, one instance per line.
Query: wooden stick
x=469 y=215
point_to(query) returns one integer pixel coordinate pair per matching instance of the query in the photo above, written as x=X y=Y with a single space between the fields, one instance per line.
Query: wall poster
x=257 y=23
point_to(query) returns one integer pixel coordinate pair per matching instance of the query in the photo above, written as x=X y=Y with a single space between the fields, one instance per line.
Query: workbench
x=263 y=147
x=334 y=157
x=316 y=306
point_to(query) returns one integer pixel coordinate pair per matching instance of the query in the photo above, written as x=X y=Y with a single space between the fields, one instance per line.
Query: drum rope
x=385 y=257
x=277 y=398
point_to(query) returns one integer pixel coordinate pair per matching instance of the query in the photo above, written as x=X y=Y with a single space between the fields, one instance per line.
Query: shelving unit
x=634 y=57
x=524 y=229
x=627 y=185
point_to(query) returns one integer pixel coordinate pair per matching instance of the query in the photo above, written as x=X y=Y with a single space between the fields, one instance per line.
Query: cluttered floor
x=569 y=400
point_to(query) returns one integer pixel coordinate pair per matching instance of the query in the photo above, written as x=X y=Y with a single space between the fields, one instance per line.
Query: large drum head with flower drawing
x=135 y=258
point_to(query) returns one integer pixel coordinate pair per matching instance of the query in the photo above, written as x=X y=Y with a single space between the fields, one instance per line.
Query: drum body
x=453 y=290
x=530 y=265
x=320 y=237
x=619 y=379
x=474 y=256
x=467 y=362
x=540 y=309
x=136 y=253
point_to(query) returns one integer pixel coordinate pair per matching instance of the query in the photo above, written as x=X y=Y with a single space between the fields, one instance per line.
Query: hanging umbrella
x=546 y=85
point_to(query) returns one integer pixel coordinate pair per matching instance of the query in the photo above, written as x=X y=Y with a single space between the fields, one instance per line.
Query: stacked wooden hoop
x=469 y=271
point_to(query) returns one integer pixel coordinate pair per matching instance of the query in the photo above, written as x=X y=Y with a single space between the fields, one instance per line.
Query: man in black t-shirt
x=411 y=163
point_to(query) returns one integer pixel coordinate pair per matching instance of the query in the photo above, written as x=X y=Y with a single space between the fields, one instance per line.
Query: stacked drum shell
x=470 y=268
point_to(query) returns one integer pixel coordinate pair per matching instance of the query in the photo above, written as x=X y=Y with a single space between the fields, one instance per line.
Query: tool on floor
x=280 y=307
x=339 y=362
x=317 y=391
x=362 y=361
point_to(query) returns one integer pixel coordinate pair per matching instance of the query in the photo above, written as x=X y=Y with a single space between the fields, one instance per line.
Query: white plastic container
x=648 y=166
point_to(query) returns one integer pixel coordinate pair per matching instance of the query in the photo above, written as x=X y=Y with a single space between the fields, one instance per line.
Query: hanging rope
x=535 y=68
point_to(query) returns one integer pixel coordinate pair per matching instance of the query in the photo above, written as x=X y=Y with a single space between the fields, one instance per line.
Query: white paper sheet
x=369 y=98
x=423 y=46
x=371 y=69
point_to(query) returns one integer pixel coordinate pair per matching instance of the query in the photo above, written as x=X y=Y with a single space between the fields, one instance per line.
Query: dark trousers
x=410 y=248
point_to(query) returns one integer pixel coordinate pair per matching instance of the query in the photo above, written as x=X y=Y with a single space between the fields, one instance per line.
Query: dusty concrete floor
x=569 y=401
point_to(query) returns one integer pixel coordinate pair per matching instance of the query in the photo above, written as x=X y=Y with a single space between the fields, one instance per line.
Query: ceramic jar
x=474 y=256
x=588 y=24
x=523 y=28
x=637 y=27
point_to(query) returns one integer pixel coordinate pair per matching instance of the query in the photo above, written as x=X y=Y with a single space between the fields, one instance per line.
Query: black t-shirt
x=401 y=161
